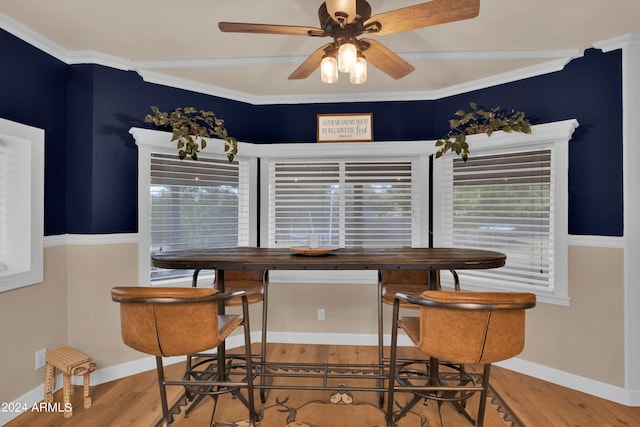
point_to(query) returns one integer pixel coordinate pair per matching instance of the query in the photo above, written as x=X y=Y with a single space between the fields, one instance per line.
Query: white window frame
x=418 y=151
x=22 y=206
x=153 y=141
x=554 y=136
x=333 y=190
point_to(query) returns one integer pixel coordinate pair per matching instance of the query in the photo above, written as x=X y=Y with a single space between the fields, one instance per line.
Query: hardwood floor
x=134 y=401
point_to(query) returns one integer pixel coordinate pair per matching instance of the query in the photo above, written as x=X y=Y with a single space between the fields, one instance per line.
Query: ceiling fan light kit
x=358 y=74
x=329 y=70
x=348 y=60
x=347 y=55
x=346 y=20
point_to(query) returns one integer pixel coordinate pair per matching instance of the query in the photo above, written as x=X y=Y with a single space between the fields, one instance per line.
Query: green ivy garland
x=190 y=127
x=479 y=120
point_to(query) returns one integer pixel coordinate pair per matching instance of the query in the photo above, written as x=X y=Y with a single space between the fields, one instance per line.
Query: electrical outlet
x=321 y=314
x=41 y=356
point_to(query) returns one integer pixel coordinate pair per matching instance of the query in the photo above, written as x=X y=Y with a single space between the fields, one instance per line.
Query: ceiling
x=179 y=43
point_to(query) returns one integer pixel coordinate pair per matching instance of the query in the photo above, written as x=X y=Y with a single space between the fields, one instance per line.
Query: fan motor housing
x=335 y=27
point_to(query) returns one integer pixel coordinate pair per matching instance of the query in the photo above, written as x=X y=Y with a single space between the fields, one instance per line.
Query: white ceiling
x=178 y=43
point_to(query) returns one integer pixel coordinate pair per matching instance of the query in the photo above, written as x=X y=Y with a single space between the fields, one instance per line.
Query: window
x=346 y=203
x=194 y=205
x=510 y=197
x=190 y=204
x=21 y=205
x=351 y=195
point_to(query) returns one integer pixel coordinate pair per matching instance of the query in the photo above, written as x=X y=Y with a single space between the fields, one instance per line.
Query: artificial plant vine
x=190 y=127
x=479 y=120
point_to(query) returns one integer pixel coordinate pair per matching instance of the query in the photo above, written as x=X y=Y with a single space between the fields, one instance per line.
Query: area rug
x=343 y=408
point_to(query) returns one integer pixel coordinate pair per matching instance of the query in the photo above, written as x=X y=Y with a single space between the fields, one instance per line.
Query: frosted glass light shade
x=358 y=74
x=347 y=55
x=329 y=70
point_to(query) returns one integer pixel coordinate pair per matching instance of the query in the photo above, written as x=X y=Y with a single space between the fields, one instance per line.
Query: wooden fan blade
x=340 y=7
x=384 y=59
x=291 y=30
x=422 y=15
x=310 y=64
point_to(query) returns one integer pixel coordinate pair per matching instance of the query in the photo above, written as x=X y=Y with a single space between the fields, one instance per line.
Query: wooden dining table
x=253 y=258
x=324 y=258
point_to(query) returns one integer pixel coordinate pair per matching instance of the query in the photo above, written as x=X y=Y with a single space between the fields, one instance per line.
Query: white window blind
x=378 y=204
x=196 y=204
x=346 y=203
x=504 y=202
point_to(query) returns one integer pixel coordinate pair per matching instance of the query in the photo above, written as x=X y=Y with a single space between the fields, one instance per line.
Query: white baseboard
x=26 y=402
x=111 y=373
x=22 y=404
x=575 y=382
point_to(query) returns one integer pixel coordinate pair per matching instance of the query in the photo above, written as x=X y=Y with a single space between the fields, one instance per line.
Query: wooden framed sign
x=345 y=127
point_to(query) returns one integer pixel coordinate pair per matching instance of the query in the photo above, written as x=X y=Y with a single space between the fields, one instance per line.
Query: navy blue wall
x=103 y=155
x=392 y=121
x=588 y=89
x=33 y=91
x=91 y=160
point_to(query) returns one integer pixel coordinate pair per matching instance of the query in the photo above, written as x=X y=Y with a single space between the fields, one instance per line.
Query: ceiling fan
x=346 y=20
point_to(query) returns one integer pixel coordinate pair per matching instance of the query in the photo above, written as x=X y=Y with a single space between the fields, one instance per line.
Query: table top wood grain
x=252 y=258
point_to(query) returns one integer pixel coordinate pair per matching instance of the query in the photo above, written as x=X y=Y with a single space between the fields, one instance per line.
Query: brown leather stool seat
x=455 y=328
x=185 y=322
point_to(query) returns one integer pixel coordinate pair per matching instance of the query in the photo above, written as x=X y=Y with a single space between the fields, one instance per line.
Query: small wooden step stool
x=70 y=362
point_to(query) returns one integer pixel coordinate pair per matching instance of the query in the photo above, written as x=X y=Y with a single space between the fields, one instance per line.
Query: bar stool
x=185 y=322
x=453 y=329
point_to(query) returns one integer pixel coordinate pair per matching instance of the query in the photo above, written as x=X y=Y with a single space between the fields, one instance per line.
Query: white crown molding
x=490 y=55
x=68 y=57
x=97 y=58
x=508 y=77
x=145 y=70
x=27 y=35
x=178 y=83
x=564 y=57
x=618 y=42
